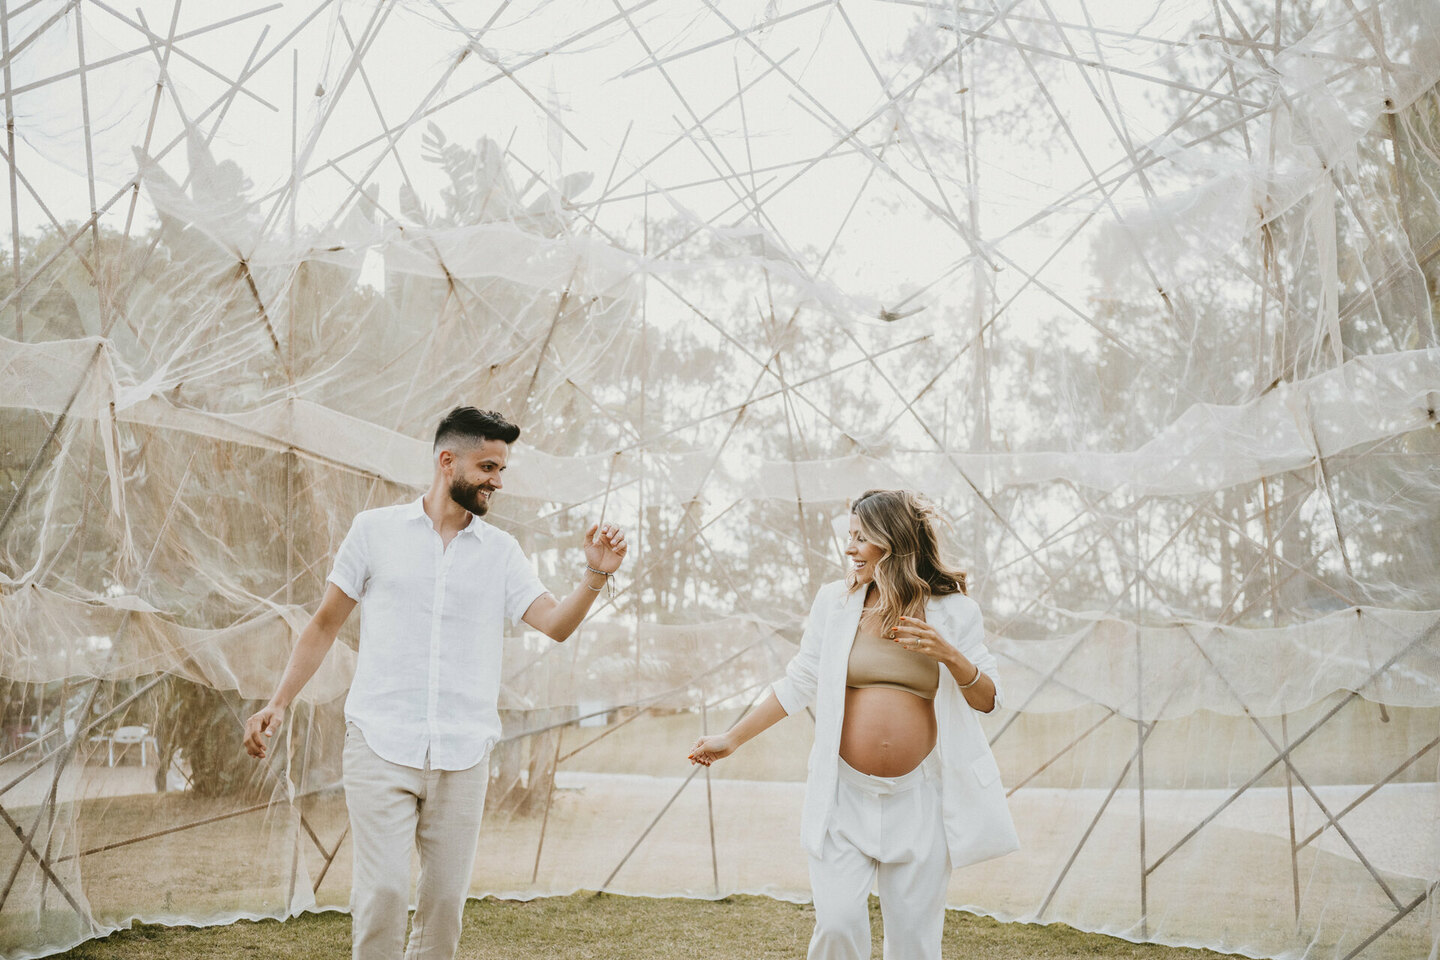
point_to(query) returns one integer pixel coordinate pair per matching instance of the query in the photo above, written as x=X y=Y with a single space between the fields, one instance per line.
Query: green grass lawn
x=587 y=927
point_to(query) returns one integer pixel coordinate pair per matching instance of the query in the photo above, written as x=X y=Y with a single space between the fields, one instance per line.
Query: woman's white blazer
x=977 y=819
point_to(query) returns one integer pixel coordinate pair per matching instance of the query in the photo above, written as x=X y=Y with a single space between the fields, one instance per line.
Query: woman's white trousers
x=885 y=830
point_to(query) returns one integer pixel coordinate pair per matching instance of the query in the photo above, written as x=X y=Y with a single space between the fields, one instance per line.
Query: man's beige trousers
x=393 y=810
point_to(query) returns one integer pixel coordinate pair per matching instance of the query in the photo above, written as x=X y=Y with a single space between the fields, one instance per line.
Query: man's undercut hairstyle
x=469 y=426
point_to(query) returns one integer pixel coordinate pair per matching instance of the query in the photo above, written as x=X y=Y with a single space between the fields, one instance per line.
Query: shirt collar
x=415 y=510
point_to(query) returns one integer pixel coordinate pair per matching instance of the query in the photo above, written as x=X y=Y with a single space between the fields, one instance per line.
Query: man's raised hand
x=605 y=547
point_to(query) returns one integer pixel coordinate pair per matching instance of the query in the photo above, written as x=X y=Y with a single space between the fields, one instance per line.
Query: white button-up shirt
x=427 y=679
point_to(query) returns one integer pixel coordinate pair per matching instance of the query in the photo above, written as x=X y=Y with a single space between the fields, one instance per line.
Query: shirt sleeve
x=522 y=585
x=351 y=571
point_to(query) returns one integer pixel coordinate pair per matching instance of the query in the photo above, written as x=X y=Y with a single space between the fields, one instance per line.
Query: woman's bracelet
x=973 y=680
x=590 y=569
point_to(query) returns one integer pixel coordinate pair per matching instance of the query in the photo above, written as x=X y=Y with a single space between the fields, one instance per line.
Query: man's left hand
x=605 y=547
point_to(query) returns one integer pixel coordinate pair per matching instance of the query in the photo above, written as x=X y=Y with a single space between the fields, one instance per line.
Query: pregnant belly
x=886 y=732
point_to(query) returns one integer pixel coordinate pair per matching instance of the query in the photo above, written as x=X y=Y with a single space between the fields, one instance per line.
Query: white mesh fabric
x=1144 y=295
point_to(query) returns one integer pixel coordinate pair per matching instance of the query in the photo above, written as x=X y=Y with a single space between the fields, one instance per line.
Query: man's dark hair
x=467 y=424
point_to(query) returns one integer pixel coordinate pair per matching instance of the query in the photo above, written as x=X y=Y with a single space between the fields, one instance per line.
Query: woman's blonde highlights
x=911 y=571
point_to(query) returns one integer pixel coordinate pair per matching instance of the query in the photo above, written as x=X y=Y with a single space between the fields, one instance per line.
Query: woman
x=902 y=785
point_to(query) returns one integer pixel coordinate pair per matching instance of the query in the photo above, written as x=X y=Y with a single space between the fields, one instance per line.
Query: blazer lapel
x=846 y=622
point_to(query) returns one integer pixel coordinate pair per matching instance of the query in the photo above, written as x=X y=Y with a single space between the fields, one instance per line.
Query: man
x=434 y=582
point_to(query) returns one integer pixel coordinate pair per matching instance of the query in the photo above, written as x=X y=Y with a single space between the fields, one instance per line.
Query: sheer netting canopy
x=1143 y=294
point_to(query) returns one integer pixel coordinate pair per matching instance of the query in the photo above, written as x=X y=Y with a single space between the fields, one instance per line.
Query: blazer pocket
x=987 y=771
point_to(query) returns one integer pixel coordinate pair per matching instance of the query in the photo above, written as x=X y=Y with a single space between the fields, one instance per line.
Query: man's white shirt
x=427 y=678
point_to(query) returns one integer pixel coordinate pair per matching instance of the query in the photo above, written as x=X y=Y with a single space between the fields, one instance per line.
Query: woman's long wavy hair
x=911 y=571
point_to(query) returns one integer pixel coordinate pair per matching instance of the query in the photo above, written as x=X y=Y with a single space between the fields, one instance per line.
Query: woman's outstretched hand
x=709 y=749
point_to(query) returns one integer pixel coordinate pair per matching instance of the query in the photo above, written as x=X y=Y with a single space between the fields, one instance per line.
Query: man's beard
x=468 y=496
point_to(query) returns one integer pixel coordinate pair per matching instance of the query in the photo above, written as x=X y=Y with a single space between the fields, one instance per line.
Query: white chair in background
x=125 y=736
